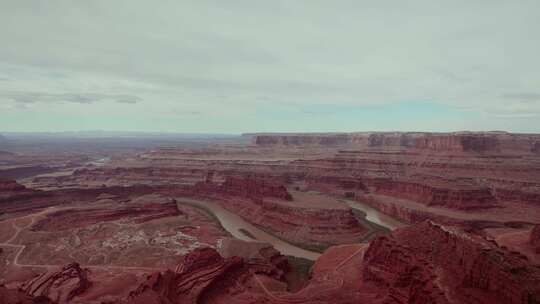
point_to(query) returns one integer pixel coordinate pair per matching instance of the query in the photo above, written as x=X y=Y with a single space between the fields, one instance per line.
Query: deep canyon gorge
x=365 y=217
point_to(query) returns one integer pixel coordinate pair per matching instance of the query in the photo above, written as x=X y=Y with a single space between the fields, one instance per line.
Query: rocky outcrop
x=535 y=238
x=204 y=276
x=428 y=263
x=60 y=286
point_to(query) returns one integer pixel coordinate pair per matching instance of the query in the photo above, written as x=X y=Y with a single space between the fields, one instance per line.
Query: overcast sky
x=246 y=66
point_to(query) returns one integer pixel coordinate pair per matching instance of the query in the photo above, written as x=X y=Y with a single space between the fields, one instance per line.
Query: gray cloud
x=524 y=97
x=239 y=59
x=127 y=99
x=80 y=98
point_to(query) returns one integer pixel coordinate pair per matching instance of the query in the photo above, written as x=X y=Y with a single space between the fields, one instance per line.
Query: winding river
x=234 y=224
x=375 y=216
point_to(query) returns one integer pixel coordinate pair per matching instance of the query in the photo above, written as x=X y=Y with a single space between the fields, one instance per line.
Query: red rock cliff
x=450 y=142
x=427 y=263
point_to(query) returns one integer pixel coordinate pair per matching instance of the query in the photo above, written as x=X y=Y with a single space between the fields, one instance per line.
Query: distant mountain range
x=114 y=134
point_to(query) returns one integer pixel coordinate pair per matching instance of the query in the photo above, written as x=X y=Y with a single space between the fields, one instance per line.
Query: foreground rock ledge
x=424 y=263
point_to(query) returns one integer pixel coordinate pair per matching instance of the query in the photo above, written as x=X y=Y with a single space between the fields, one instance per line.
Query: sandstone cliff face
x=60 y=286
x=254 y=188
x=449 y=142
x=535 y=238
x=463 y=197
x=427 y=263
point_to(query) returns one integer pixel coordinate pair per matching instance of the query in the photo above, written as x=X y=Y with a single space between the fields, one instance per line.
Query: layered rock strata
x=428 y=263
x=60 y=286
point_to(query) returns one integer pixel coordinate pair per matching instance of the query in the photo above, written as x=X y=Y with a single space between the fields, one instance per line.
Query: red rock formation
x=10 y=186
x=17 y=198
x=254 y=188
x=535 y=238
x=25 y=171
x=305 y=226
x=204 y=276
x=60 y=286
x=450 y=142
x=247 y=187
x=427 y=263
x=301 y=225
x=70 y=218
x=421 y=264
x=529 y=195
x=451 y=196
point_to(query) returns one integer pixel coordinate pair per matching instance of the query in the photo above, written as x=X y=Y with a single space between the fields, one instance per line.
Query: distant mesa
x=442 y=142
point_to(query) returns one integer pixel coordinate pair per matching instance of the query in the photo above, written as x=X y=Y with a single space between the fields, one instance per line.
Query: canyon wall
x=450 y=142
x=455 y=197
x=427 y=263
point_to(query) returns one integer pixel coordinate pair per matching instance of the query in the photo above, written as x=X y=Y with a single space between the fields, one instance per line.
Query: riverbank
x=376 y=224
